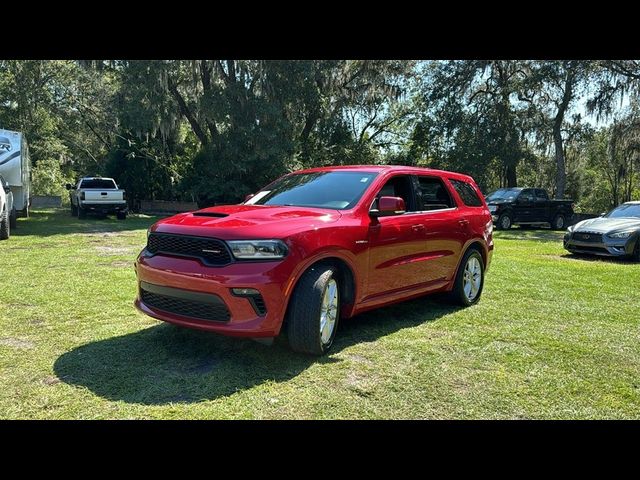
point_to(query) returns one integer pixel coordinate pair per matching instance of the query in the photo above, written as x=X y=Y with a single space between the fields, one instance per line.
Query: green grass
x=553 y=337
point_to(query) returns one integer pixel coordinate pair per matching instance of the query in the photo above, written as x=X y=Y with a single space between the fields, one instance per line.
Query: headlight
x=620 y=234
x=258 y=249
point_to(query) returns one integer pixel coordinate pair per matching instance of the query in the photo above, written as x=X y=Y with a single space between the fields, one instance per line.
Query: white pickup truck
x=97 y=195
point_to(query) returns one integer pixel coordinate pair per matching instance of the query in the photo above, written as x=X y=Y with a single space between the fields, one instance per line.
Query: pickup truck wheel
x=504 y=222
x=82 y=213
x=121 y=215
x=13 y=219
x=559 y=222
x=5 y=229
x=469 y=280
x=314 y=311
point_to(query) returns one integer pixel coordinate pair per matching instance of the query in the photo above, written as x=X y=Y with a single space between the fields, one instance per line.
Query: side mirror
x=388 y=206
x=68 y=186
x=249 y=197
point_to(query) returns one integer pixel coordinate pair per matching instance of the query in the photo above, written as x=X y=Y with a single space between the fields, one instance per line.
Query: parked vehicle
x=97 y=195
x=15 y=168
x=528 y=206
x=316 y=246
x=6 y=209
x=614 y=234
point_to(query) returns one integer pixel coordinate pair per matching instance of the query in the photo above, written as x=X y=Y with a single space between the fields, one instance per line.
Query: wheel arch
x=473 y=244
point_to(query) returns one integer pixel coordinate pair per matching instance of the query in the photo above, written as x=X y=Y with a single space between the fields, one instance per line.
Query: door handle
x=463 y=222
x=417 y=228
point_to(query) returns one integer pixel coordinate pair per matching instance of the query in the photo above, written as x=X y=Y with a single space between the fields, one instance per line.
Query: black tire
x=121 y=215
x=13 y=219
x=305 y=308
x=559 y=222
x=82 y=213
x=635 y=256
x=458 y=294
x=5 y=228
x=504 y=222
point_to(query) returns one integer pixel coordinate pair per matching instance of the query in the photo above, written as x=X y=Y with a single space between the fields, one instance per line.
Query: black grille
x=588 y=237
x=209 y=250
x=587 y=248
x=187 y=308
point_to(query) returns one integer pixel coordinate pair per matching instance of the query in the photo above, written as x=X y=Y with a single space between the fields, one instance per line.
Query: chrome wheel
x=472 y=278
x=505 y=222
x=328 y=311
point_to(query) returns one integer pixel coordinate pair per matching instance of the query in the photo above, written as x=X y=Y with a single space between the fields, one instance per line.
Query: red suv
x=315 y=246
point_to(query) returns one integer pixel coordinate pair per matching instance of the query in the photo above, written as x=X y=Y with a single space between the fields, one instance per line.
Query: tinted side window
x=526 y=195
x=398 y=186
x=467 y=193
x=432 y=194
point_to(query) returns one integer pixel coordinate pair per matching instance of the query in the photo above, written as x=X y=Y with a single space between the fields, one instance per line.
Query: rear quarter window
x=467 y=193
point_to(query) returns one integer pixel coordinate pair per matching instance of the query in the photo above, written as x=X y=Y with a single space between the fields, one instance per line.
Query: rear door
x=444 y=231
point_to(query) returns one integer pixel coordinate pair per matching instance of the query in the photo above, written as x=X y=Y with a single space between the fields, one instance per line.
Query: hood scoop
x=210 y=214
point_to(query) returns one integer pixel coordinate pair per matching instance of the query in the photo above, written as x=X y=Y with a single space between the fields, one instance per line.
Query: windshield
x=101 y=183
x=503 y=194
x=336 y=189
x=625 y=210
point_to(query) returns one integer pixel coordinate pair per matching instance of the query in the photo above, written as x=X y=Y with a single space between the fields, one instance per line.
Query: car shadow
x=167 y=364
x=598 y=258
x=44 y=223
x=530 y=234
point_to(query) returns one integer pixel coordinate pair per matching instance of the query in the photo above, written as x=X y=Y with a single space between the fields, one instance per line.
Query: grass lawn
x=552 y=337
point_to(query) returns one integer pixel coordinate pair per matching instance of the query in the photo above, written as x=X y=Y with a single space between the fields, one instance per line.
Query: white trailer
x=15 y=167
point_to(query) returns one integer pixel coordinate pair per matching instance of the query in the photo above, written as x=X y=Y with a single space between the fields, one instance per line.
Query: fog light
x=245 y=292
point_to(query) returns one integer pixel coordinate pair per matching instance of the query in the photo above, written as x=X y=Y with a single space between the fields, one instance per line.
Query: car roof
x=634 y=202
x=386 y=168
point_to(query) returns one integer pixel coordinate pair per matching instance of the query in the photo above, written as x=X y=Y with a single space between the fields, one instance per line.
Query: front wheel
x=13 y=219
x=5 y=229
x=635 y=256
x=469 y=280
x=314 y=311
x=559 y=222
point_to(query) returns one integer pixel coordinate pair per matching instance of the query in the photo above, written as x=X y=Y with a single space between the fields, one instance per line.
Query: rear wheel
x=559 y=222
x=82 y=213
x=469 y=280
x=5 y=229
x=314 y=311
x=121 y=215
x=504 y=222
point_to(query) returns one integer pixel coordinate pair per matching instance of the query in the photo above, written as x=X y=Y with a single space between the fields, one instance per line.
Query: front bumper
x=603 y=246
x=189 y=277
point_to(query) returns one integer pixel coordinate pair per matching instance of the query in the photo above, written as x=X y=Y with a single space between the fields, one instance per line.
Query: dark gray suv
x=614 y=234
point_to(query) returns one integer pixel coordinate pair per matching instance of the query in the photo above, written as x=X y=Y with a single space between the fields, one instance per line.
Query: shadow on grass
x=167 y=364
x=530 y=234
x=599 y=259
x=44 y=223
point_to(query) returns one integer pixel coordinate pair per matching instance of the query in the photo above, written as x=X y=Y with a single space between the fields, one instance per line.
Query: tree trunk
x=561 y=174
x=512 y=179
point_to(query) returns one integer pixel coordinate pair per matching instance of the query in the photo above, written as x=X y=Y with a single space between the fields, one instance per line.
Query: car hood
x=604 y=225
x=498 y=202
x=247 y=221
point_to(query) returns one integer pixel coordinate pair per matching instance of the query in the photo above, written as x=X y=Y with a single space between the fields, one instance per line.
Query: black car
x=528 y=206
x=614 y=234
